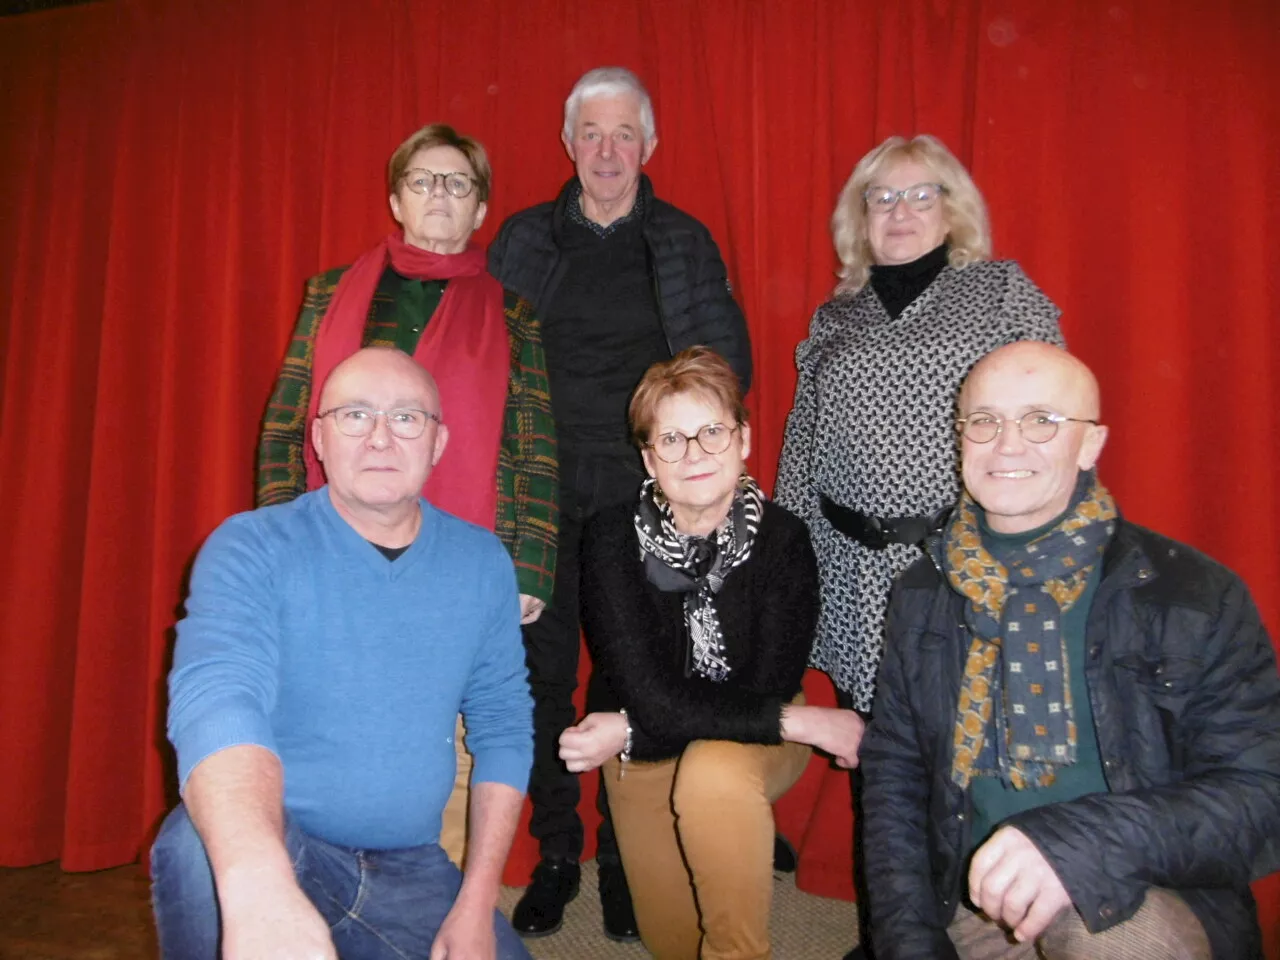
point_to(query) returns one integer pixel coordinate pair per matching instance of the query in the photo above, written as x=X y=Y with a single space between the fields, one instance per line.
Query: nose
x=380 y=436
x=693 y=451
x=900 y=209
x=1010 y=440
x=606 y=147
x=437 y=184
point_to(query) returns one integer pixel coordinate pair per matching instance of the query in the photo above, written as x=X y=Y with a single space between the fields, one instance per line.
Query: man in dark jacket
x=620 y=280
x=1075 y=743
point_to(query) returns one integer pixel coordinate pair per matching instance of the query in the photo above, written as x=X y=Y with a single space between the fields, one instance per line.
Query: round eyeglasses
x=1038 y=426
x=457 y=185
x=919 y=197
x=405 y=423
x=713 y=438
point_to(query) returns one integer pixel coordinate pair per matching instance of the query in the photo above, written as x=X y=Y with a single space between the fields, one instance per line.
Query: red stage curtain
x=170 y=173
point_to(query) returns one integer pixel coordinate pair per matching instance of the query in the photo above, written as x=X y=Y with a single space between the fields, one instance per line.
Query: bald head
x=1023 y=484
x=1050 y=368
x=380 y=365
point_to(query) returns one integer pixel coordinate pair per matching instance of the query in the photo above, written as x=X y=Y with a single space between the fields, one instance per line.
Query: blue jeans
x=379 y=904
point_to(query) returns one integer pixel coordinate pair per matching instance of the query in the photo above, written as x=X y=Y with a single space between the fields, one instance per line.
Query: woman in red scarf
x=425 y=290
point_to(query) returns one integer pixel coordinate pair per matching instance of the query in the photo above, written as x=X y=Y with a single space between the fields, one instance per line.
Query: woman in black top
x=699 y=605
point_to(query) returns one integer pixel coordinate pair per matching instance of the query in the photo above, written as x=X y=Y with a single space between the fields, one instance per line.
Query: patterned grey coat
x=871 y=428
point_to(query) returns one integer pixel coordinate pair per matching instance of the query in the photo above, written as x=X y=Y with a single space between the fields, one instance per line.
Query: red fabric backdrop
x=170 y=172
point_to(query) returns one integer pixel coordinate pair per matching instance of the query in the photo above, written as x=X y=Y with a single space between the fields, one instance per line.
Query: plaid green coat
x=528 y=481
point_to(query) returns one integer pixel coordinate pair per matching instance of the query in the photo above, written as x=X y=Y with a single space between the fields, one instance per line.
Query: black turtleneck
x=898 y=284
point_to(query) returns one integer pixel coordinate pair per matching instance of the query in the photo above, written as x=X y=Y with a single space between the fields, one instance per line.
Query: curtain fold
x=170 y=174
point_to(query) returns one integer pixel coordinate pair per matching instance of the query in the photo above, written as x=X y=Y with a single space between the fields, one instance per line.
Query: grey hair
x=609 y=82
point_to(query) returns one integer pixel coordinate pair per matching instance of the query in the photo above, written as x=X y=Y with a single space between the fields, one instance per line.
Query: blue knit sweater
x=301 y=637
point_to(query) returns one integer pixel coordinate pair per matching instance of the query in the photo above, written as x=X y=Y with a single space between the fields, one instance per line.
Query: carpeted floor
x=805 y=927
x=51 y=915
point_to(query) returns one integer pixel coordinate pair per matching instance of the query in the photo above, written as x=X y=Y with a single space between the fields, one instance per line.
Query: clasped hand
x=596 y=738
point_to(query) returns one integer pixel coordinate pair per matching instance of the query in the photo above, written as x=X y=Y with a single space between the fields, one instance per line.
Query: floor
x=51 y=915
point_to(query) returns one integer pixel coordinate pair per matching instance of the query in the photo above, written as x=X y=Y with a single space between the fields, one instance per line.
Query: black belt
x=876 y=533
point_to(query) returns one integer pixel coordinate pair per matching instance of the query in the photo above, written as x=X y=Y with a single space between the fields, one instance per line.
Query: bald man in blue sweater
x=329 y=645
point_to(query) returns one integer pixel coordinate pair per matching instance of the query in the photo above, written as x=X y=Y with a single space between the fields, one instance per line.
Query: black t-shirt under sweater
x=601 y=331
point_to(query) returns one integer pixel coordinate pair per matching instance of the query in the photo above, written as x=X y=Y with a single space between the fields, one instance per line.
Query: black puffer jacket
x=689 y=279
x=1182 y=679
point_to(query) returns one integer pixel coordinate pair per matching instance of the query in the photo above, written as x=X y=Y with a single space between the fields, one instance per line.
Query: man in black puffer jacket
x=1076 y=733
x=620 y=280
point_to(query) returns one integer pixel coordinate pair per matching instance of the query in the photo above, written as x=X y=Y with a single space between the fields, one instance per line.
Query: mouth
x=1011 y=474
x=694 y=477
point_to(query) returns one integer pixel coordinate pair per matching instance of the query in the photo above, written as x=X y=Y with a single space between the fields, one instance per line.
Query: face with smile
x=379 y=473
x=438 y=221
x=902 y=234
x=608 y=149
x=1022 y=485
x=701 y=485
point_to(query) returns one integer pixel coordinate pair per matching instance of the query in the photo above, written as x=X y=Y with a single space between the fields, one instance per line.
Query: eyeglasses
x=406 y=423
x=920 y=197
x=458 y=185
x=1038 y=426
x=713 y=438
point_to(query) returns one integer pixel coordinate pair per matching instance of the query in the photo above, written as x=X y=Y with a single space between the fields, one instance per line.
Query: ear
x=650 y=145
x=1091 y=448
x=646 y=454
x=394 y=200
x=481 y=209
x=568 y=145
x=745 y=431
x=442 y=441
x=317 y=438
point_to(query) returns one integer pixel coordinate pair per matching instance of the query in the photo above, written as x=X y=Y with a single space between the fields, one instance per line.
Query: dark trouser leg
x=551 y=654
x=859 y=874
x=606 y=842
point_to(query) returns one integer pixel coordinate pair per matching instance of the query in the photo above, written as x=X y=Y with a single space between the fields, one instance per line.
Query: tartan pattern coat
x=528 y=470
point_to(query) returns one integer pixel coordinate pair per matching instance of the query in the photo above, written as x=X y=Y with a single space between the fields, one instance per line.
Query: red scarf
x=464 y=347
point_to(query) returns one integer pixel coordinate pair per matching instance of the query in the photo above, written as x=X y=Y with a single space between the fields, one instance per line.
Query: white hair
x=609 y=82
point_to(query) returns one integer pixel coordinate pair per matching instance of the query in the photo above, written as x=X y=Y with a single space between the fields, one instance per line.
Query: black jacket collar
x=570 y=191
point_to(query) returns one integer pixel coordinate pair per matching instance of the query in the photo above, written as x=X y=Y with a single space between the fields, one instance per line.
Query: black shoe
x=784 y=855
x=615 y=904
x=541 y=910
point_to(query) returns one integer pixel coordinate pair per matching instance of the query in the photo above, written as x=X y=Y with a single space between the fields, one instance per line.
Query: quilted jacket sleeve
x=714 y=310
x=907 y=922
x=1217 y=824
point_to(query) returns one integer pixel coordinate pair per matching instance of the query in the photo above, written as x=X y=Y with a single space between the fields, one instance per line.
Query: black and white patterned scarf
x=697 y=566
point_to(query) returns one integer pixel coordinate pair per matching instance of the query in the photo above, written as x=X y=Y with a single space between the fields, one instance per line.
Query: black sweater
x=768 y=610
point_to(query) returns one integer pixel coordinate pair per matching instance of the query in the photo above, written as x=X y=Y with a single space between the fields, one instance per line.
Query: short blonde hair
x=968 y=230
x=698 y=370
x=442 y=135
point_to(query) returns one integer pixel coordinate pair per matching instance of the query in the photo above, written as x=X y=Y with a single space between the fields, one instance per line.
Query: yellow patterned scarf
x=1013 y=616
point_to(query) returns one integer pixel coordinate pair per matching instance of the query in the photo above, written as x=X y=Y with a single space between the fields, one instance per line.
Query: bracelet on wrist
x=625 y=755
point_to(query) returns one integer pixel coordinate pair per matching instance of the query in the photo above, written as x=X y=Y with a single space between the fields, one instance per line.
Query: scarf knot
x=697 y=566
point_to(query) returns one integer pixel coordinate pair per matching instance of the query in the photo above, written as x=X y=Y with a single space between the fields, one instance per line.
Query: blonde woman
x=868 y=461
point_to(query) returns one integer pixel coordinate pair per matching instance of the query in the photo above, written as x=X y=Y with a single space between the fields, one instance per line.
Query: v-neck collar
x=368 y=553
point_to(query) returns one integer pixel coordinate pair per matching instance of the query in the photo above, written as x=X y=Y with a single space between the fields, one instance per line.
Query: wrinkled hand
x=466 y=934
x=1012 y=883
x=280 y=923
x=593 y=741
x=530 y=608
